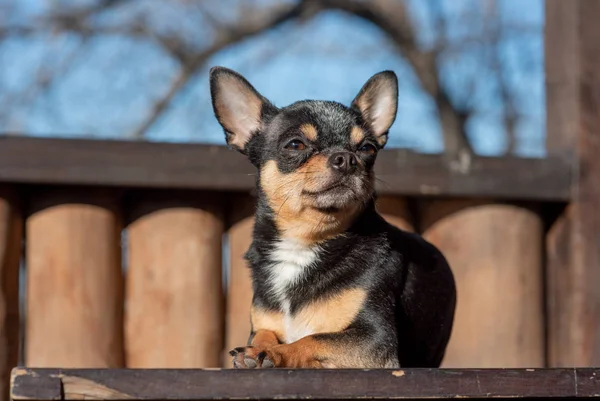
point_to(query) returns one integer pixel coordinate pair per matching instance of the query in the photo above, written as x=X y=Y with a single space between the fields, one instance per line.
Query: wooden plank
x=573 y=243
x=74 y=281
x=26 y=384
x=11 y=236
x=401 y=172
x=174 y=300
x=167 y=165
x=283 y=384
x=495 y=252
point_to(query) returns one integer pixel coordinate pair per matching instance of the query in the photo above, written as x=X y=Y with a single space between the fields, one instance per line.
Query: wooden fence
x=176 y=203
x=522 y=236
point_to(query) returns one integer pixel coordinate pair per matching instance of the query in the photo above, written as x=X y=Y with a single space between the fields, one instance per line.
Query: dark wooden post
x=10 y=254
x=573 y=243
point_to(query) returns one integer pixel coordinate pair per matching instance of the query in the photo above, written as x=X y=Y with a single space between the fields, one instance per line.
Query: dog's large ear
x=377 y=102
x=239 y=107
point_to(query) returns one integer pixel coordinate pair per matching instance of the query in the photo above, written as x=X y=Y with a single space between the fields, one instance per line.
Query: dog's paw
x=251 y=358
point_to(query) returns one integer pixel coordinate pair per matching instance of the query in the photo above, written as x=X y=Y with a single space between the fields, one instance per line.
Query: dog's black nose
x=344 y=162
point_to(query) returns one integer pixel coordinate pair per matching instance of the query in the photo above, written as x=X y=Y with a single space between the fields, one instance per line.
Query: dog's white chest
x=290 y=261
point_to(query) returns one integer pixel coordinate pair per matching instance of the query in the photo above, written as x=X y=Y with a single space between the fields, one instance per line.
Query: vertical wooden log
x=239 y=289
x=174 y=293
x=495 y=252
x=74 y=281
x=573 y=121
x=10 y=255
x=394 y=210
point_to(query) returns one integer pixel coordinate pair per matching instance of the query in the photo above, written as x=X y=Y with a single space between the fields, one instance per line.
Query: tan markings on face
x=314 y=173
x=265 y=320
x=357 y=135
x=330 y=315
x=309 y=131
x=294 y=215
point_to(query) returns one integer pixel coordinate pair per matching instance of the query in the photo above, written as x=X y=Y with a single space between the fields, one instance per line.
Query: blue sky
x=113 y=80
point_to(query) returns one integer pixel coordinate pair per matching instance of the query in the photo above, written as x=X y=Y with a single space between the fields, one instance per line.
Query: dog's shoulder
x=400 y=248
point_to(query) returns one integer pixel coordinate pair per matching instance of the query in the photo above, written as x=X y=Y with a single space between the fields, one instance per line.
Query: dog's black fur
x=406 y=316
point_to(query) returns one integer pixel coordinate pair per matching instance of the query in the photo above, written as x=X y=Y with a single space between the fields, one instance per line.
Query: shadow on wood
x=11 y=235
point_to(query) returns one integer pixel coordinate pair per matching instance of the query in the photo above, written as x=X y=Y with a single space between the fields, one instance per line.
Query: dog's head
x=315 y=158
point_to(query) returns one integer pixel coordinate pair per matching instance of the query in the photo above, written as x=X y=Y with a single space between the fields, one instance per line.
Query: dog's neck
x=266 y=231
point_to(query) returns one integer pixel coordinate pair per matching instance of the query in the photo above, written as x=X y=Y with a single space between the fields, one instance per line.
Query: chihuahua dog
x=335 y=285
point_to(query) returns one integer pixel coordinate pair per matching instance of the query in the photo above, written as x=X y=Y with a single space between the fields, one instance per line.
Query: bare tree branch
x=43 y=80
x=73 y=16
x=509 y=111
x=228 y=36
x=392 y=17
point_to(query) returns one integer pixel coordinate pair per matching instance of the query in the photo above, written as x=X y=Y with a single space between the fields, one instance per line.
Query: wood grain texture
x=174 y=297
x=573 y=93
x=284 y=384
x=11 y=234
x=495 y=252
x=395 y=211
x=74 y=281
x=189 y=166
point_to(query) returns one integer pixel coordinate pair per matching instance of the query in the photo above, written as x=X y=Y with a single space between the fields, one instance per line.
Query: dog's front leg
x=250 y=356
x=346 y=349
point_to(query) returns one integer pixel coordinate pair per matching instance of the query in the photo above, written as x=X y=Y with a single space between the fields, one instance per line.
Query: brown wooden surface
x=283 y=384
x=395 y=211
x=166 y=165
x=174 y=297
x=573 y=98
x=74 y=281
x=10 y=255
x=495 y=252
x=239 y=289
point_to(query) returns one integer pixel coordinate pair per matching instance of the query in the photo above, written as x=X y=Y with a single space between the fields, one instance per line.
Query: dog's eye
x=295 y=144
x=368 y=149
